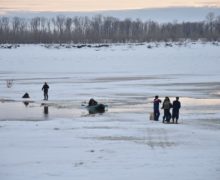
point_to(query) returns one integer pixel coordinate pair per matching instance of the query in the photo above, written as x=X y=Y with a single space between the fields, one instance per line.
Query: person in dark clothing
x=92 y=102
x=26 y=95
x=176 y=108
x=166 y=106
x=45 y=89
x=156 y=102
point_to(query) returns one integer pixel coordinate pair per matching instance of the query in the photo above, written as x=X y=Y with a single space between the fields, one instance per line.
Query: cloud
x=209 y=3
x=92 y=5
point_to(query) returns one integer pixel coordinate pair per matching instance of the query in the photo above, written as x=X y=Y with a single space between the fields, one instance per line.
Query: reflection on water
x=46 y=111
x=31 y=111
x=199 y=102
x=37 y=111
x=26 y=103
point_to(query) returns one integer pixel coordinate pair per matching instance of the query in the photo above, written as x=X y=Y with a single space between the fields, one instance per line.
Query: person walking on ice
x=45 y=89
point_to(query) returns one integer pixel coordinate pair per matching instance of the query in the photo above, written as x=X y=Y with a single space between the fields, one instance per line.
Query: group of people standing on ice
x=166 y=106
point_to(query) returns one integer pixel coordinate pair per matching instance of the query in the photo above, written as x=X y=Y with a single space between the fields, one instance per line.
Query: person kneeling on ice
x=92 y=102
x=93 y=107
x=176 y=108
x=26 y=95
x=45 y=89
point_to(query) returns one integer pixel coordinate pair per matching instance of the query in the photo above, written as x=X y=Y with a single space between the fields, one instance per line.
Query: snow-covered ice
x=59 y=140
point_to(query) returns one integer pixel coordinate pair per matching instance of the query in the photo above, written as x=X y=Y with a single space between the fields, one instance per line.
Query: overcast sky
x=93 y=5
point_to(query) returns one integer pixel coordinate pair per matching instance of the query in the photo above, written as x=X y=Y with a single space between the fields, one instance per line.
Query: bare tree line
x=101 y=29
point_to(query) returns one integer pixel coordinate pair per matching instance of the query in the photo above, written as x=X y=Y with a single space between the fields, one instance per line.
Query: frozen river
x=126 y=77
x=59 y=140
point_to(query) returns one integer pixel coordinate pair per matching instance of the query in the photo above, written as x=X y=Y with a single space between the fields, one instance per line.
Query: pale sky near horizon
x=93 y=5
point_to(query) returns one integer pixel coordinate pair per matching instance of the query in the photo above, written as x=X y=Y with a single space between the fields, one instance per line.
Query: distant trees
x=101 y=29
